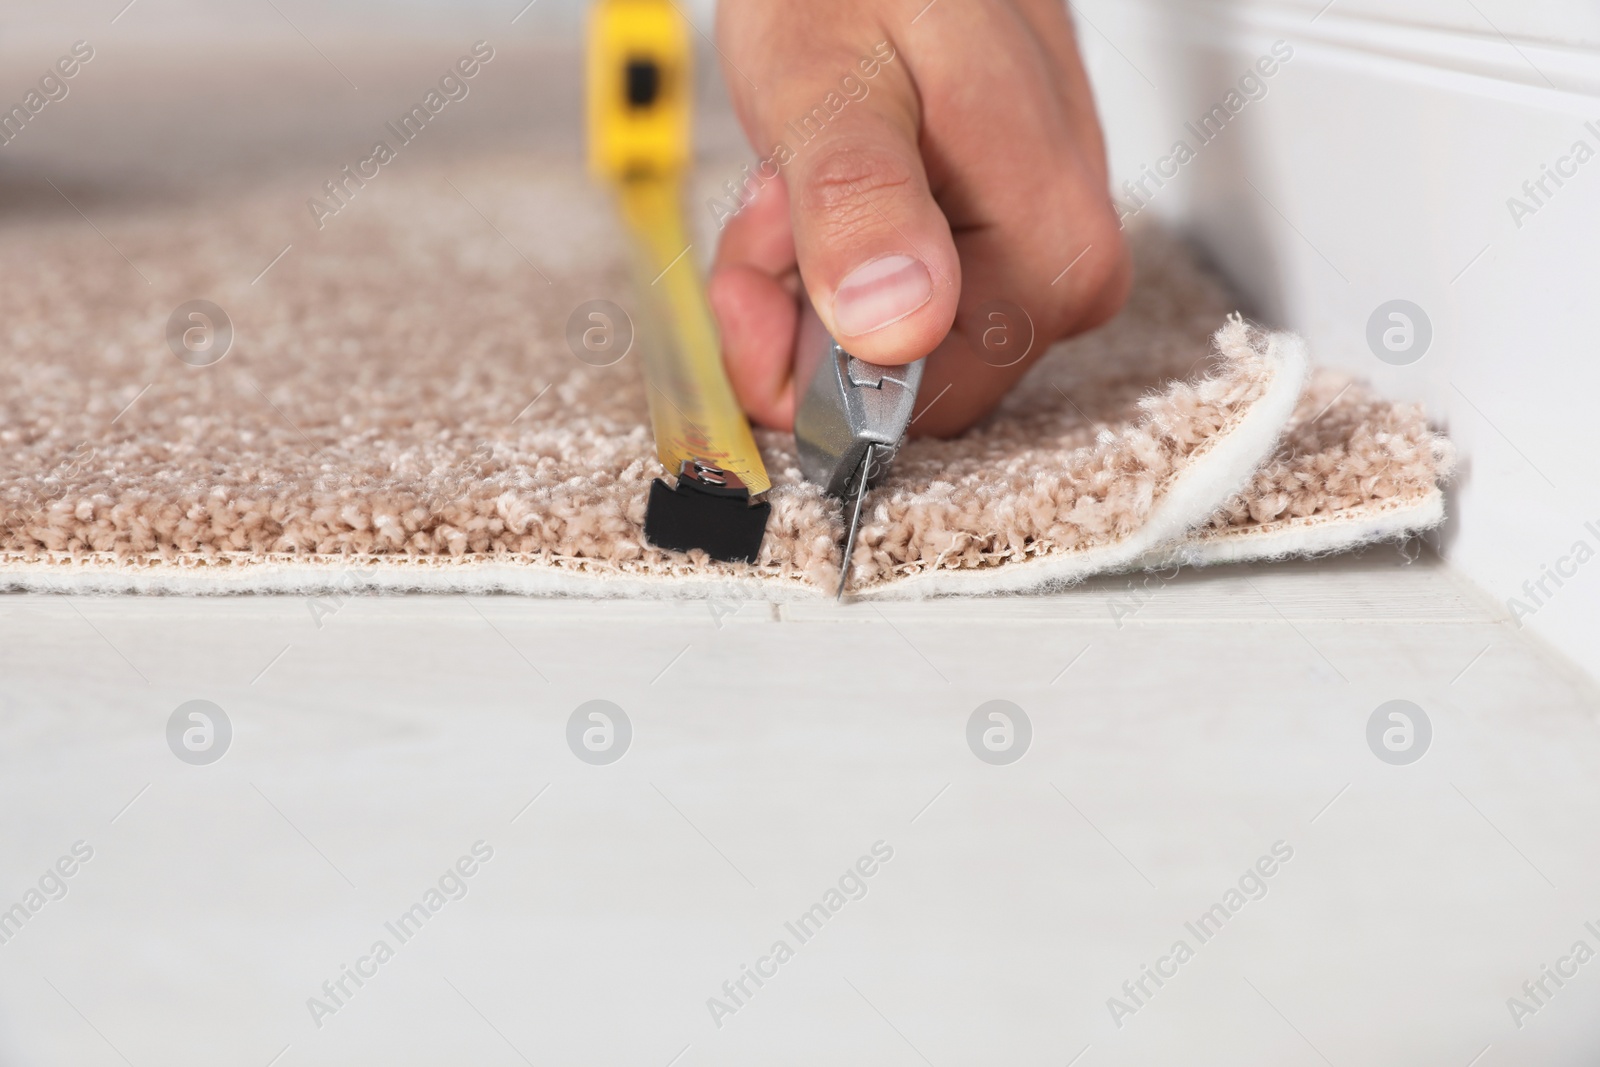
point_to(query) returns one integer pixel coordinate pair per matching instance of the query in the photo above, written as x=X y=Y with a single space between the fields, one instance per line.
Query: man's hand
x=928 y=171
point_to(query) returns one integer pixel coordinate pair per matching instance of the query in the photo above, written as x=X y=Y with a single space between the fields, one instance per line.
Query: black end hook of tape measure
x=720 y=521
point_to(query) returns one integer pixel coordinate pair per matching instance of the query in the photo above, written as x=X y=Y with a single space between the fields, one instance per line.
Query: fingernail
x=878 y=293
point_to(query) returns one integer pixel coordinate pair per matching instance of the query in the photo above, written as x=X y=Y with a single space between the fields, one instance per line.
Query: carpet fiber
x=400 y=410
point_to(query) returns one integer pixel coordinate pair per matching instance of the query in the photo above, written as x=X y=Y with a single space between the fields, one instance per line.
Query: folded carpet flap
x=1049 y=504
x=1352 y=468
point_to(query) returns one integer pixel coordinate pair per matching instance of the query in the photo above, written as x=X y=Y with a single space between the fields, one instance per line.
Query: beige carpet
x=400 y=410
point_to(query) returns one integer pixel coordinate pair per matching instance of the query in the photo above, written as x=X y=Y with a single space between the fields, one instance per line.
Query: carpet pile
x=399 y=409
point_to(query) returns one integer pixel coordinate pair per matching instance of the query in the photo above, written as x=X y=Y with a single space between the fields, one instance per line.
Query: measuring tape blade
x=692 y=406
x=638 y=100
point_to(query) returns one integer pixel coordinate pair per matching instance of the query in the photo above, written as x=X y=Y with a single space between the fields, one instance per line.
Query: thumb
x=874 y=249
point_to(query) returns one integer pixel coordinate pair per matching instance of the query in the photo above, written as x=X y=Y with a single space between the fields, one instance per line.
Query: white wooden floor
x=1181 y=739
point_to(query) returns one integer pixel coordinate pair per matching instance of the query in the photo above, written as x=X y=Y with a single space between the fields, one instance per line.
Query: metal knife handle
x=847 y=405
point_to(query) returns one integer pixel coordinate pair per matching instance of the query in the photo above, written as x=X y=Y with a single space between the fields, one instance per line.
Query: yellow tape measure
x=638 y=116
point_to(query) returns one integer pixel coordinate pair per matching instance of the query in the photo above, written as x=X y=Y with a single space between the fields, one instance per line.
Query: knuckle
x=1097 y=284
x=1106 y=285
x=846 y=181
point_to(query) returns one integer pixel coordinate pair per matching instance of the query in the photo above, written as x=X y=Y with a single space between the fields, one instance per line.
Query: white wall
x=1382 y=158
